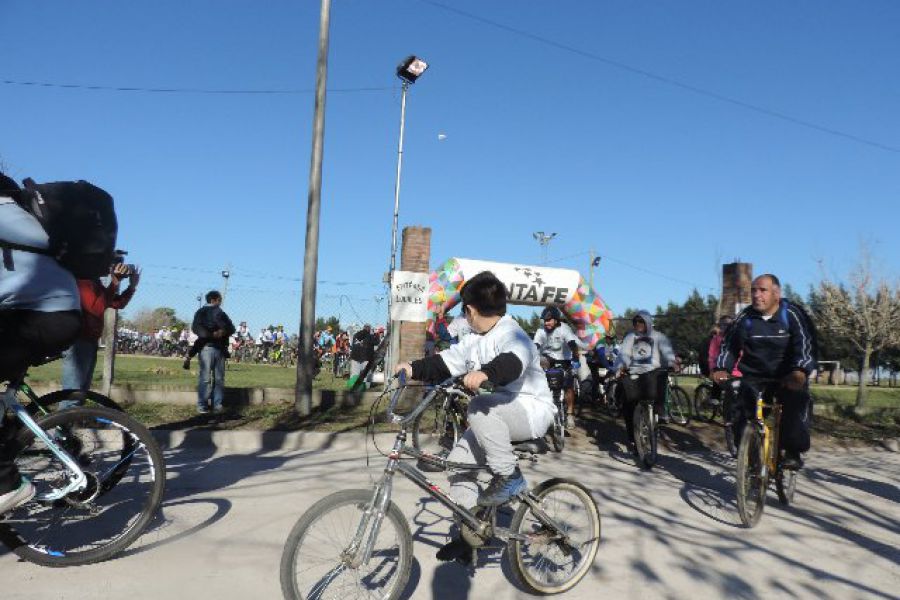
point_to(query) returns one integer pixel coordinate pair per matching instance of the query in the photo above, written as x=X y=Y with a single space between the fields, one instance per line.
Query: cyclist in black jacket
x=774 y=340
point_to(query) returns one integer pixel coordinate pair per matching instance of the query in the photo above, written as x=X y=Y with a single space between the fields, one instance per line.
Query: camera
x=119 y=259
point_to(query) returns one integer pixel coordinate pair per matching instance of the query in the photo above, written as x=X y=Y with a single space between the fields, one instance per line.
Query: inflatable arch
x=528 y=285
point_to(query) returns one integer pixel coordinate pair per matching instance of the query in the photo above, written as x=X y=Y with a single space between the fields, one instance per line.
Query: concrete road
x=669 y=533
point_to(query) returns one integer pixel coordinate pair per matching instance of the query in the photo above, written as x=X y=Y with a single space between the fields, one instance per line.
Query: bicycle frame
x=77 y=479
x=360 y=550
x=771 y=434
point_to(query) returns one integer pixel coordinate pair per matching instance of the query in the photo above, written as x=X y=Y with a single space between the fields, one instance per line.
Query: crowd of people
x=45 y=309
x=770 y=345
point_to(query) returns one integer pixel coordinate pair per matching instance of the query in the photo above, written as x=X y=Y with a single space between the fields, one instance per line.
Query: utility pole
x=306 y=361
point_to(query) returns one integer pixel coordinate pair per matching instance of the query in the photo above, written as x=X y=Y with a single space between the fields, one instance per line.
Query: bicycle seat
x=535 y=446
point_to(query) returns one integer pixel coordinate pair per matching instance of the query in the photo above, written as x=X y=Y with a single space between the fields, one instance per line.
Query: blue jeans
x=211 y=381
x=78 y=367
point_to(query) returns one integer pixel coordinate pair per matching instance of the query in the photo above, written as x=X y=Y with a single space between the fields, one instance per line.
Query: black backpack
x=80 y=221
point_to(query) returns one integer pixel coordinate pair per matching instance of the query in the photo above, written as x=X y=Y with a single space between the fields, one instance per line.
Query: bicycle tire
x=645 y=433
x=35 y=523
x=728 y=420
x=785 y=485
x=558 y=427
x=302 y=531
x=703 y=407
x=588 y=541
x=679 y=406
x=46 y=404
x=614 y=404
x=751 y=477
x=442 y=431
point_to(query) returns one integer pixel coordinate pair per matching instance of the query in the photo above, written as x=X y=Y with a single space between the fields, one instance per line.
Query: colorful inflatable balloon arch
x=529 y=285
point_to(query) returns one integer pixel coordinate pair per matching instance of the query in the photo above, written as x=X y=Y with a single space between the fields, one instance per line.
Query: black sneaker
x=791 y=461
x=186 y=365
x=456 y=549
x=502 y=489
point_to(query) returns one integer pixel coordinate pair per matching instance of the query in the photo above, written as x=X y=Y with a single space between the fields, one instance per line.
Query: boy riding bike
x=520 y=408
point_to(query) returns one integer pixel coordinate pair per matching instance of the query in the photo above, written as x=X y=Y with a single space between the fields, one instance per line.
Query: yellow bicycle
x=759 y=459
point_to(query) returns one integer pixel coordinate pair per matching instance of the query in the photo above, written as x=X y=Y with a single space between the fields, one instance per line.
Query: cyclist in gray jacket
x=645 y=353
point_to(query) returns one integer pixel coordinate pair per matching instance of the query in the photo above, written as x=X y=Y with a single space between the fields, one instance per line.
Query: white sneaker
x=17 y=497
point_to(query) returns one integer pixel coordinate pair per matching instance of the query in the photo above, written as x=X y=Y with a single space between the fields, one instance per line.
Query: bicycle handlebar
x=451 y=383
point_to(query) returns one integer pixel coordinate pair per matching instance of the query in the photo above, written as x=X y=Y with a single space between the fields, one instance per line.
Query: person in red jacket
x=81 y=358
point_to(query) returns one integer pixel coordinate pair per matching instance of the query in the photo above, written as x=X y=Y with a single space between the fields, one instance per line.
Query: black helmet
x=551 y=312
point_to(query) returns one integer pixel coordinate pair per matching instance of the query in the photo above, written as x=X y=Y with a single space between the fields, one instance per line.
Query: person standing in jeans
x=213 y=328
x=81 y=357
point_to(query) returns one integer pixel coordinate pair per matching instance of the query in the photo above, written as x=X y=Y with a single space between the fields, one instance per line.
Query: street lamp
x=225 y=275
x=544 y=240
x=408 y=71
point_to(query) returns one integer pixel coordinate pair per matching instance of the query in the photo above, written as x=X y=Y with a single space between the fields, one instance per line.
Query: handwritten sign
x=409 y=296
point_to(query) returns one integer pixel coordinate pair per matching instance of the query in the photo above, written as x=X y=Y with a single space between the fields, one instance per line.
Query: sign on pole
x=409 y=296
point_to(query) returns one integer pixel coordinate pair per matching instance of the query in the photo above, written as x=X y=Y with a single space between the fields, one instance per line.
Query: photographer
x=79 y=360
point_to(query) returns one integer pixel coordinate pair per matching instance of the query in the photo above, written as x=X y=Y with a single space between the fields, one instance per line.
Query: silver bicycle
x=99 y=476
x=357 y=542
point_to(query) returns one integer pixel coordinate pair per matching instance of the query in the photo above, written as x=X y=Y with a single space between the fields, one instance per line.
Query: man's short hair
x=486 y=293
x=772 y=278
x=213 y=295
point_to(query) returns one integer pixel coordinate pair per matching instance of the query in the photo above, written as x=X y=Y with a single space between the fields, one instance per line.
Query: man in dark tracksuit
x=777 y=342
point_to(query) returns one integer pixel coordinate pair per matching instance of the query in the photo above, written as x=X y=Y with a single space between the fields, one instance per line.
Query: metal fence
x=258 y=305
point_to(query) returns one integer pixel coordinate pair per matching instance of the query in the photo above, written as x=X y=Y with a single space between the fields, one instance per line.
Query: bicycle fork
x=360 y=550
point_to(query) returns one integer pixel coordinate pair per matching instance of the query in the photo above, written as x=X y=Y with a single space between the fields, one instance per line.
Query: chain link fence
x=165 y=301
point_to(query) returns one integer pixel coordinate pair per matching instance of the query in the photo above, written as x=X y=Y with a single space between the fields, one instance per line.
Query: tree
x=333 y=322
x=148 y=320
x=688 y=324
x=530 y=325
x=866 y=313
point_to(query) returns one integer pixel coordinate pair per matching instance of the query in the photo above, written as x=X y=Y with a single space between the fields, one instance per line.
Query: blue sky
x=576 y=117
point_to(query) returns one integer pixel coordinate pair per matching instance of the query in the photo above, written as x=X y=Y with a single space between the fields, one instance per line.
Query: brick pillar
x=736 y=280
x=415 y=255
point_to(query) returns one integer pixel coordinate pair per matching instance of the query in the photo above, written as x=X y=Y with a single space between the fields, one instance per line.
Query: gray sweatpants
x=495 y=421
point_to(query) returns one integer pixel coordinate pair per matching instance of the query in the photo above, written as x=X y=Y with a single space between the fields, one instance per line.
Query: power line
x=636 y=267
x=664 y=79
x=177 y=90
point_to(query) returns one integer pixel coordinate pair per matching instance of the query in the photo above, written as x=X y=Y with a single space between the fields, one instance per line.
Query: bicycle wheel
x=103 y=519
x=49 y=402
x=543 y=562
x=679 y=406
x=614 y=400
x=437 y=429
x=703 y=407
x=752 y=479
x=315 y=563
x=645 y=435
x=785 y=485
x=558 y=428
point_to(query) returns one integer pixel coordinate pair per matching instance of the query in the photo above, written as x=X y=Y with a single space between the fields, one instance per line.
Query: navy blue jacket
x=769 y=348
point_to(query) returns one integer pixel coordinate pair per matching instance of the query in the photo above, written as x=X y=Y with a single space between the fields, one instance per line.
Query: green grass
x=841 y=395
x=276 y=416
x=143 y=372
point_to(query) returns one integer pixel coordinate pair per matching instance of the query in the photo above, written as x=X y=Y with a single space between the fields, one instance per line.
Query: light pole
x=408 y=71
x=225 y=275
x=595 y=262
x=544 y=240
